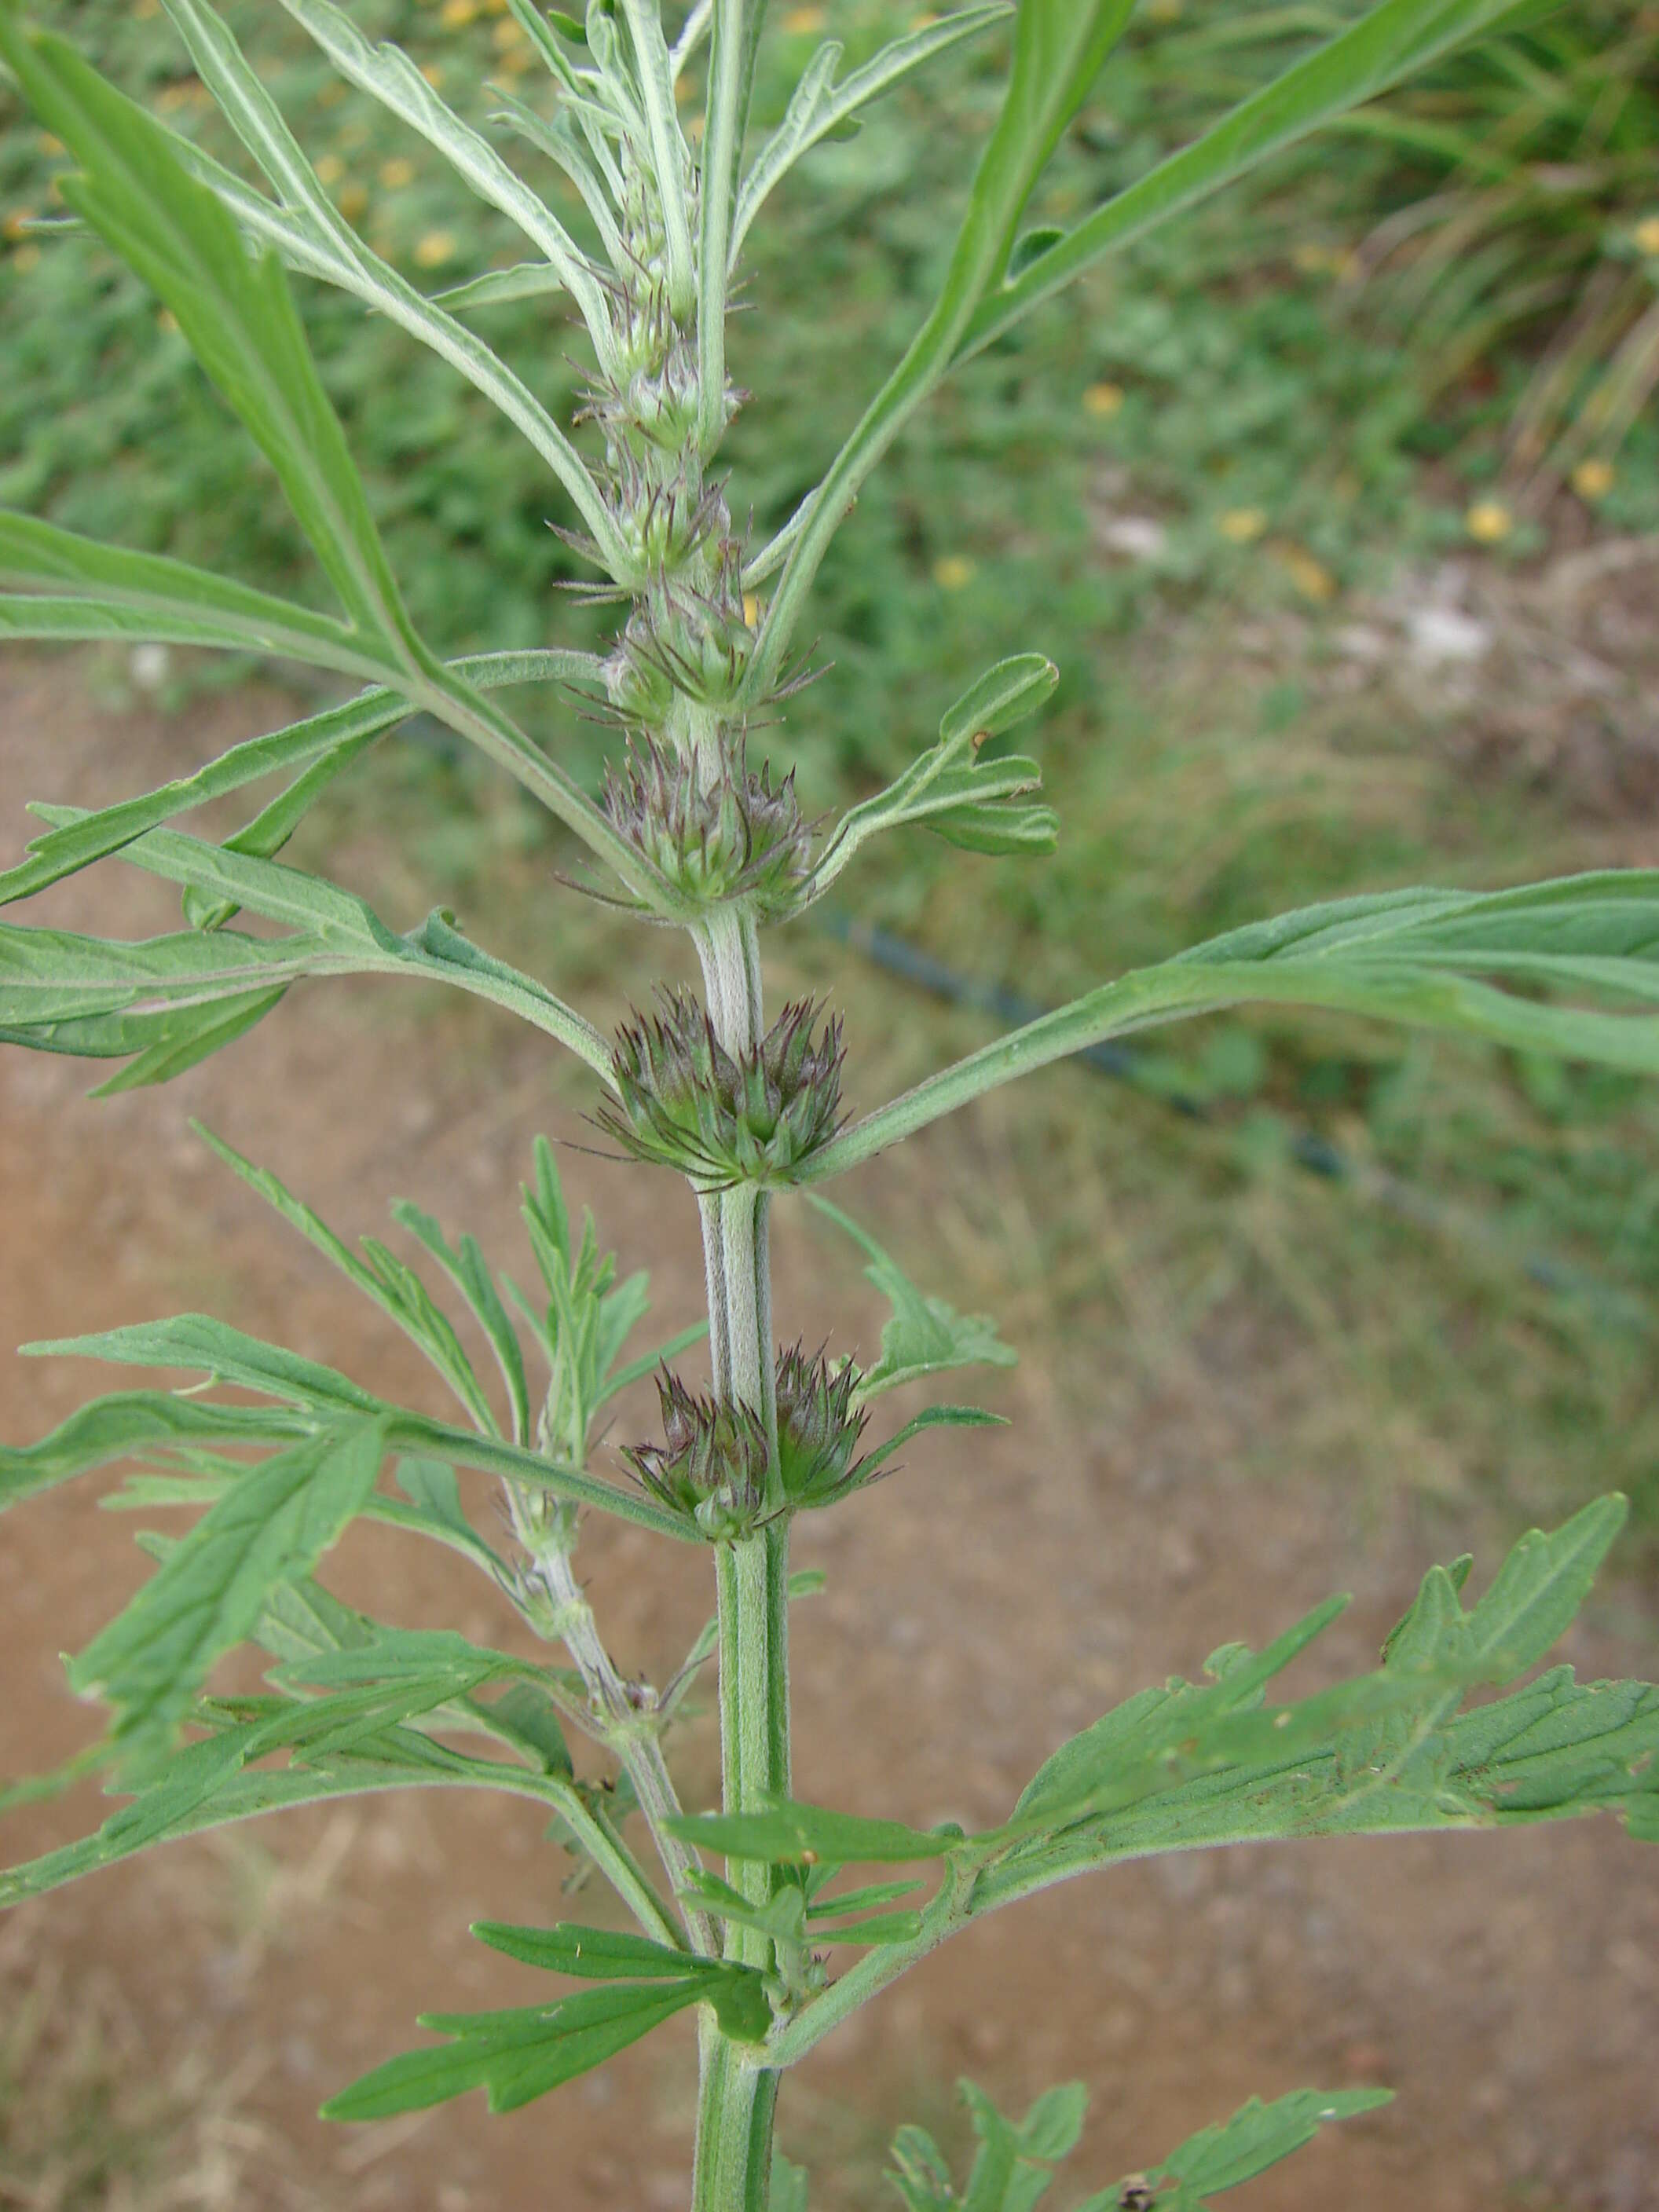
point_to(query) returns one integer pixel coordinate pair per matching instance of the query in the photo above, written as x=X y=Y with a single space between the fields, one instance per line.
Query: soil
x=1507 y=1987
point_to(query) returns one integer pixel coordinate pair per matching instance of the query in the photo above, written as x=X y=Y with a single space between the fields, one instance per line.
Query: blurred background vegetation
x=1331 y=502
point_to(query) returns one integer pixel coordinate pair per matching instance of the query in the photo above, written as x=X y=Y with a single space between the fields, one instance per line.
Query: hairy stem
x=738 y=2099
x=633 y=1735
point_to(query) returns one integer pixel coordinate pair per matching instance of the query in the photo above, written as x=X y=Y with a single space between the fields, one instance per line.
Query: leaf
x=57 y=990
x=1257 y=2137
x=514 y=2057
x=1415 y=957
x=1124 y=1753
x=134 y=1422
x=592 y=1953
x=818 y=108
x=225 y=1354
x=272 y=1527
x=1388 y=42
x=319 y=741
x=310 y=234
x=469 y=1271
x=932 y=1417
x=400 y=1293
x=389 y=77
x=402 y=1760
x=949 y=791
x=791 y=1834
x=1389 y=1753
x=1059 y=48
x=129 y=596
x=236 y=314
x=925 y=1336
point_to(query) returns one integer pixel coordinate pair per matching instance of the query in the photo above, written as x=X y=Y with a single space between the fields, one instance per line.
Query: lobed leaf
x=514 y=2057
x=949 y=791
x=925 y=1336
x=1257 y=2137
x=1389 y=1753
x=137 y=1421
x=323 y=741
x=272 y=1528
x=311 y=235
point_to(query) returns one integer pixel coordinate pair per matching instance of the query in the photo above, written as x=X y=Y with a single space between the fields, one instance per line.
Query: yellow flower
x=1593 y=479
x=172 y=97
x=17 y=222
x=434 y=249
x=330 y=169
x=146 y=9
x=509 y=32
x=354 y=201
x=516 y=61
x=1312 y=579
x=434 y=74
x=1646 y=233
x=25 y=256
x=1103 y=399
x=803 y=22
x=1241 y=524
x=750 y=609
x=1488 y=521
x=955 y=572
x=397 y=174
x=332 y=93
x=456 y=14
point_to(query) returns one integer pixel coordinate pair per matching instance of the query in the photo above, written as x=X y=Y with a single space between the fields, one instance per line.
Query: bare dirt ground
x=1507 y=1987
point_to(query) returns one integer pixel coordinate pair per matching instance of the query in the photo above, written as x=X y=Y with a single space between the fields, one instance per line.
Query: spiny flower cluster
x=712 y=1462
x=723 y=1118
x=712 y=828
x=819 y=1428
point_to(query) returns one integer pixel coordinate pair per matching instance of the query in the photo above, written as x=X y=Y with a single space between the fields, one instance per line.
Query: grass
x=1249 y=441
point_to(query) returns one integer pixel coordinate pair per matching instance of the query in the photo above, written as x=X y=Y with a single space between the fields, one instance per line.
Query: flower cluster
x=711 y=827
x=723 y=1118
x=712 y=1462
x=818 y=1428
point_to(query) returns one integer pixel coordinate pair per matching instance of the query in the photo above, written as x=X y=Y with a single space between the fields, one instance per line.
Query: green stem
x=738 y=2099
x=633 y=1736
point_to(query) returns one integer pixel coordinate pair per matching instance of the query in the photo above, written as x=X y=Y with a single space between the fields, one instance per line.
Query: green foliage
x=925 y=1336
x=648 y=259
x=1013 y=2171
